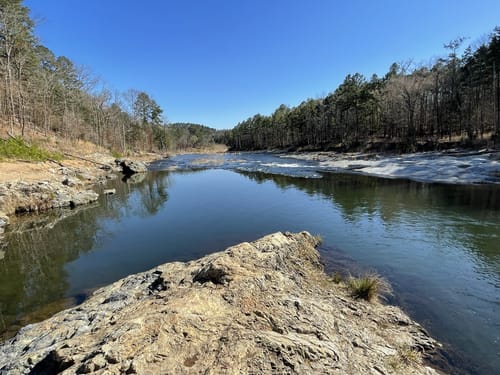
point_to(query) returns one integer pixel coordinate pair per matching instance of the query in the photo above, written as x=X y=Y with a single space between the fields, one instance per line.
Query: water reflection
x=469 y=215
x=33 y=277
x=438 y=244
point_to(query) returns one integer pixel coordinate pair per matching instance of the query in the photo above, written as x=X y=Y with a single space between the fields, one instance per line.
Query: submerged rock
x=256 y=308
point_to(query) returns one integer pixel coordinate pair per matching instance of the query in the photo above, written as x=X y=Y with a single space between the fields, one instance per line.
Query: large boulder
x=264 y=307
x=131 y=166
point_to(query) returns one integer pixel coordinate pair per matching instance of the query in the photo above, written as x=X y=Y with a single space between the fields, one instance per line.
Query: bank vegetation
x=454 y=100
x=45 y=94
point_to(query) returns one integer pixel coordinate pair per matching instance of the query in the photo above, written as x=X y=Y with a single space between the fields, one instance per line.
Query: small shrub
x=369 y=287
x=116 y=154
x=17 y=148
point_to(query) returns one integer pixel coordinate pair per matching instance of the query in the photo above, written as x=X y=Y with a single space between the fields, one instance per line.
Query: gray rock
x=62 y=187
x=257 y=308
x=71 y=182
x=85 y=177
x=19 y=197
x=4 y=219
x=83 y=197
x=131 y=166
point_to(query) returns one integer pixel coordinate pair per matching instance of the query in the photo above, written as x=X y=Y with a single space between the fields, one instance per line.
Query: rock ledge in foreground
x=260 y=307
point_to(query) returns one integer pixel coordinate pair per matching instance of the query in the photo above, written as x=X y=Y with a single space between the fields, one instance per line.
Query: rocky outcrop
x=20 y=197
x=130 y=167
x=257 y=308
x=64 y=186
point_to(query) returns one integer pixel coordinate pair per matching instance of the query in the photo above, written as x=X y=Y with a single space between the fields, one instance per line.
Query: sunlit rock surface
x=130 y=167
x=257 y=308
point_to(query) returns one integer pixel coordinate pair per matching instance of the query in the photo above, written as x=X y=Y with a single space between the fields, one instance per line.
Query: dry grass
x=336 y=277
x=40 y=168
x=213 y=149
x=369 y=287
x=54 y=143
x=405 y=357
x=38 y=164
x=16 y=148
x=318 y=239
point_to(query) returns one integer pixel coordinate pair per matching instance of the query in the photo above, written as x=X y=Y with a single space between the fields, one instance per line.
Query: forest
x=452 y=102
x=48 y=94
x=455 y=100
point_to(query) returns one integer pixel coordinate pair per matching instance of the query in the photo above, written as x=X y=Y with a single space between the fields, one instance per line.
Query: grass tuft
x=405 y=357
x=17 y=148
x=318 y=239
x=409 y=355
x=336 y=277
x=369 y=287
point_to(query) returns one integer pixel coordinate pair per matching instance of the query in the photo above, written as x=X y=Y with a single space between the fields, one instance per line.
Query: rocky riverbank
x=37 y=187
x=451 y=166
x=260 y=307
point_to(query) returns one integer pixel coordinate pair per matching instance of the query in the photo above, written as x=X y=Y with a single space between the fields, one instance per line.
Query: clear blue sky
x=217 y=62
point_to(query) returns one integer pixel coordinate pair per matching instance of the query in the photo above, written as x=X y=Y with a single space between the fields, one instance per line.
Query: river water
x=438 y=245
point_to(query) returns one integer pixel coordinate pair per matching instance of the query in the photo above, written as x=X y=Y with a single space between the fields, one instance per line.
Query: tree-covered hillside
x=190 y=136
x=45 y=93
x=457 y=98
x=454 y=99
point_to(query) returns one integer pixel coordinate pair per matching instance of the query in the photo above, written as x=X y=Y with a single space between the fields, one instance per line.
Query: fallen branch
x=17 y=139
x=56 y=162
x=85 y=159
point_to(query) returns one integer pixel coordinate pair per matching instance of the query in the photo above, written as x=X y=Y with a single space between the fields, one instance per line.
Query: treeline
x=50 y=94
x=411 y=107
x=184 y=136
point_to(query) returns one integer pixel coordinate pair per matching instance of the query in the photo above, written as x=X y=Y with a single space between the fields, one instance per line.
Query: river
x=438 y=244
